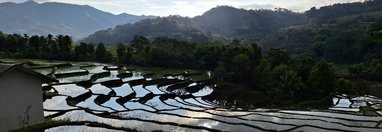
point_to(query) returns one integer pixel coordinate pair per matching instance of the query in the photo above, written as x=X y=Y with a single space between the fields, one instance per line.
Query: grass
x=49 y=123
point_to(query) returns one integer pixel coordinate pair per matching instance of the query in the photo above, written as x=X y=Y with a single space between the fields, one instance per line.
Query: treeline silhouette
x=51 y=47
x=240 y=70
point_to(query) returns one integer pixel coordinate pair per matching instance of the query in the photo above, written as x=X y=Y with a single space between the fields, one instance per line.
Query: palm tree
x=290 y=82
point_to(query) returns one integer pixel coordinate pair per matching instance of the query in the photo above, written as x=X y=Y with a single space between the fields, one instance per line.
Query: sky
x=190 y=8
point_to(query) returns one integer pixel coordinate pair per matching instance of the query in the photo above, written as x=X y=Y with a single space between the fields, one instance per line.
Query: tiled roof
x=8 y=67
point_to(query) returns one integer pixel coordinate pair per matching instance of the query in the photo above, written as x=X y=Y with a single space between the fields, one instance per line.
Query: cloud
x=16 y=1
x=258 y=6
x=303 y=5
x=190 y=7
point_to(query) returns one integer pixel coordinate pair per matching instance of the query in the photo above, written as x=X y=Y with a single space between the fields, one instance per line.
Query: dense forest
x=277 y=28
x=342 y=33
x=173 y=26
x=330 y=54
x=220 y=24
x=51 y=47
x=228 y=69
x=240 y=70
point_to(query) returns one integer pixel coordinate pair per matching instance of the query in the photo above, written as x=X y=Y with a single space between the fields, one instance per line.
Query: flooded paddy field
x=148 y=99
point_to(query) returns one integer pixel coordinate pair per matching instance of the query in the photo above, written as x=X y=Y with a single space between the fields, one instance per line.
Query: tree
x=44 y=51
x=303 y=66
x=235 y=42
x=54 y=50
x=256 y=53
x=291 y=83
x=100 y=52
x=376 y=31
x=263 y=74
x=322 y=80
x=158 y=57
x=220 y=72
x=50 y=39
x=129 y=55
x=357 y=71
x=77 y=53
x=376 y=72
x=207 y=56
x=67 y=45
x=277 y=57
x=242 y=67
x=286 y=86
x=108 y=57
x=64 y=43
x=15 y=43
x=2 y=41
x=278 y=71
x=361 y=87
x=139 y=42
x=344 y=86
x=121 y=52
x=34 y=43
x=81 y=52
x=90 y=48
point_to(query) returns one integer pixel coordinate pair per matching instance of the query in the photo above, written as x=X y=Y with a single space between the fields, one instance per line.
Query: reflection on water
x=123 y=90
x=79 y=129
x=148 y=108
x=99 y=89
x=57 y=103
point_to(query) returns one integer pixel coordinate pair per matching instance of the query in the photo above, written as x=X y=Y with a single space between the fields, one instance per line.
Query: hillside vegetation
x=220 y=24
x=340 y=33
x=58 y=18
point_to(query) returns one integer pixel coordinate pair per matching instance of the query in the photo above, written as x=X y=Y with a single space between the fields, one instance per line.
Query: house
x=20 y=96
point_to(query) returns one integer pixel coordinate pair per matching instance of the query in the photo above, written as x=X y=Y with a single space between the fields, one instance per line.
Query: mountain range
x=58 y=18
x=218 y=24
x=224 y=24
x=280 y=28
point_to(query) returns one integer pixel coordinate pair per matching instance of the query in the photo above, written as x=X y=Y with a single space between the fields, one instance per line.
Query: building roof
x=9 y=67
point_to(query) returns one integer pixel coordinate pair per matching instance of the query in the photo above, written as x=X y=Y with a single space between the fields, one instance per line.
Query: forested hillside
x=58 y=18
x=220 y=24
x=258 y=65
x=236 y=23
x=321 y=33
x=173 y=26
x=342 y=33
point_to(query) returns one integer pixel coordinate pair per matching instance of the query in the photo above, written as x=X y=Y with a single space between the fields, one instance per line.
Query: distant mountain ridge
x=341 y=33
x=227 y=23
x=214 y=25
x=235 y=23
x=58 y=18
x=178 y=27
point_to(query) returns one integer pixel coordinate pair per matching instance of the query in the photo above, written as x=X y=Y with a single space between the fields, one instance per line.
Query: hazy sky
x=190 y=7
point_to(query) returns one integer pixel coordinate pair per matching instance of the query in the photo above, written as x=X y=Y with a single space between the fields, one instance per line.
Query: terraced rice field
x=147 y=100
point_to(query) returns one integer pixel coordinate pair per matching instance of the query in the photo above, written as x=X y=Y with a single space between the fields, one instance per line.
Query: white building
x=20 y=97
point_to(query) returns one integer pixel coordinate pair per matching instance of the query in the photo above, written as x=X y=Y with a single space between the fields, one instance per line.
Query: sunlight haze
x=190 y=7
x=190 y=65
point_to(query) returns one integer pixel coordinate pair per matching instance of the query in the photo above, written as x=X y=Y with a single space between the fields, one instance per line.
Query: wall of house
x=18 y=92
